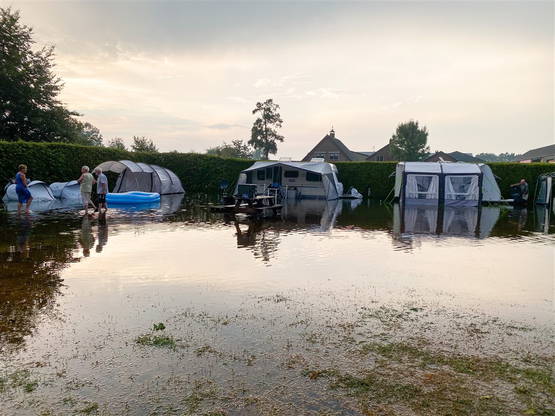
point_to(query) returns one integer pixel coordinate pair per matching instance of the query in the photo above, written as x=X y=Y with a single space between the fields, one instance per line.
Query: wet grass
x=160 y=341
x=20 y=379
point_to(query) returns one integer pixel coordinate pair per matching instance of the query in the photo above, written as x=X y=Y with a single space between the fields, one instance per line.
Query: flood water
x=268 y=316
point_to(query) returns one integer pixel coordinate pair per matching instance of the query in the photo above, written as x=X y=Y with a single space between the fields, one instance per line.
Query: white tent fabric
x=66 y=190
x=328 y=187
x=490 y=189
x=457 y=183
x=40 y=191
x=142 y=177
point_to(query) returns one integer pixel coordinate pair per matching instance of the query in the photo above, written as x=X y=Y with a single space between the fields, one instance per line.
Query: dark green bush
x=53 y=162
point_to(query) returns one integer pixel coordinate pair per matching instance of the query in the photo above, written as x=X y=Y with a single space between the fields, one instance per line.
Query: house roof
x=538 y=153
x=354 y=156
x=465 y=157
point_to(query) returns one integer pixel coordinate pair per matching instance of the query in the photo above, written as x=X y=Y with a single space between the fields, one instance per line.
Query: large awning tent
x=66 y=190
x=300 y=180
x=142 y=177
x=461 y=184
x=544 y=189
x=40 y=191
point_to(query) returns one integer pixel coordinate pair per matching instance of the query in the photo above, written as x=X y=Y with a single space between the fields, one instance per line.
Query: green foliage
x=116 y=143
x=29 y=105
x=143 y=144
x=235 y=149
x=364 y=175
x=53 y=162
x=264 y=135
x=501 y=157
x=410 y=142
x=508 y=173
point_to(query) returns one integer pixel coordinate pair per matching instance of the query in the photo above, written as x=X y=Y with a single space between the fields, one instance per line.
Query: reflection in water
x=86 y=238
x=444 y=220
x=34 y=249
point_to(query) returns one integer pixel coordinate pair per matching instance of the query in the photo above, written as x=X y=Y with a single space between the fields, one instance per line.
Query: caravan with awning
x=296 y=180
x=430 y=183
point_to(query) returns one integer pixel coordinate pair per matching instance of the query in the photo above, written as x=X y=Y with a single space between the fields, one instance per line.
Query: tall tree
x=143 y=144
x=117 y=143
x=236 y=149
x=410 y=142
x=88 y=134
x=264 y=132
x=29 y=105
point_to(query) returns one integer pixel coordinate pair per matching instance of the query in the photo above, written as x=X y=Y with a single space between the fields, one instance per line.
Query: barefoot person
x=101 y=189
x=22 y=189
x=86 y=180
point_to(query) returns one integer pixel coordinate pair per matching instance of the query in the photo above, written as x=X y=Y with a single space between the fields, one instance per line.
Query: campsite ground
x=330 y=311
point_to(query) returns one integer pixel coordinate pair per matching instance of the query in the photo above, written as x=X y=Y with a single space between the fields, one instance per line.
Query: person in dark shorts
x=101 y=189
x=22 y=189
x=523 y=191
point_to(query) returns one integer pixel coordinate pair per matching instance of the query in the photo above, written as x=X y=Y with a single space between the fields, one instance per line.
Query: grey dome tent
x=40 y=191
x=460 y=184
x=142 y=177
x=66 y=190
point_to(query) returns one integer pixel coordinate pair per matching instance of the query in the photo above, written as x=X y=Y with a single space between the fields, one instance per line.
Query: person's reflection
x=86 y=238
x=22 y=237
x=248 y=237
x=522 y=218
x=102 y=234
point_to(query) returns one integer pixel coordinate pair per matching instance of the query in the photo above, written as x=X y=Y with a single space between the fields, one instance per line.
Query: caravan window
x=249 y=176
x=291 y=173
x=462 y=188
x=269 y=173
x=313 y=177
x=260 y=175
x=422 y=187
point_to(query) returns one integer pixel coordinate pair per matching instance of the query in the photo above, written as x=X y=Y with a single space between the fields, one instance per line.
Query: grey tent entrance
x=544 y=189
x=142 y=177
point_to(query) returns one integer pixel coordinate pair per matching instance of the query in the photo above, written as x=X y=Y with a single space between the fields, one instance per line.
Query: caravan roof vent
x=317 y=159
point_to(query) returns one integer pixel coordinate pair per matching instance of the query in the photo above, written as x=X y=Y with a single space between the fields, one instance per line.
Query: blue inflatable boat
x=133 y=197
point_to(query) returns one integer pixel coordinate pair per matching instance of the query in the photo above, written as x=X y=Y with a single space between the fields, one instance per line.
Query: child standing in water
x=86 y=180
x=22 y=190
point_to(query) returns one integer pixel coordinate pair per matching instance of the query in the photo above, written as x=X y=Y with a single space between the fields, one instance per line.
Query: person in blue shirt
x=22 y=189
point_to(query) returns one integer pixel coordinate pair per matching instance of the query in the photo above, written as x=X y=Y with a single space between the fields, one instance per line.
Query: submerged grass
x=161 y=341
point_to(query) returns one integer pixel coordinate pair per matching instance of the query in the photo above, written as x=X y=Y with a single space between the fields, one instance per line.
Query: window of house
x=334 y=155
x=320 y=154
x=291 y=173
x=260 y=175
x=379 y=158
x=313 y=177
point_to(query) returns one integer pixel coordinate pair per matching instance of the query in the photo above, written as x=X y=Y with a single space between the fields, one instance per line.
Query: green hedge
x=53 y=162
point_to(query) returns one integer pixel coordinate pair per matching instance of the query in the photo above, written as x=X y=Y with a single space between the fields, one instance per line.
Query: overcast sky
x=479 y=75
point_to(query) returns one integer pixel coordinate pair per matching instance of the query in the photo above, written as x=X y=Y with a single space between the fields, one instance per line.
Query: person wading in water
x=22 y=189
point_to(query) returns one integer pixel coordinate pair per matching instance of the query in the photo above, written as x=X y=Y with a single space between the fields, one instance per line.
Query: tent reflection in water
x=444 y=220
x=142 y=177
x=431 y=183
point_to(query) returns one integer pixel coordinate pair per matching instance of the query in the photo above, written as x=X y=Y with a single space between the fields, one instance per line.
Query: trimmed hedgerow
x=53 y=162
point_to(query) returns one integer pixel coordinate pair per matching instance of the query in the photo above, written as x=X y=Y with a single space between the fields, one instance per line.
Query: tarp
x=142 y=177
x=40 y=191
x=66 y=190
